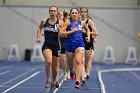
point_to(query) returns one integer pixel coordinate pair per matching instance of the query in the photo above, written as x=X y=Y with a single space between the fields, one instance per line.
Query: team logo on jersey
x=80 y=27
x=59 y=52
x=52 y=28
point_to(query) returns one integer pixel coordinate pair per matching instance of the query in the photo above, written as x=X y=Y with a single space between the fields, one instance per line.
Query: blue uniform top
x=76 y=36
x=75 y=39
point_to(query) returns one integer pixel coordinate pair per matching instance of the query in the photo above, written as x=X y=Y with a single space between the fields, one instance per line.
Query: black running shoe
x=83 y=83
x=57 y=85
x=87 y=77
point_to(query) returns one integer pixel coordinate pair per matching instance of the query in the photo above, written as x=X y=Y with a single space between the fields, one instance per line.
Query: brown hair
x=53 y=6
x=74 y=8
x=66 y=14
x=84 y=8
x=89 y=17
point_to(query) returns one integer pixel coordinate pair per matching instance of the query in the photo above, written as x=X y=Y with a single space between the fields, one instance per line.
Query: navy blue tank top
x=51 y=31
x=84 y=35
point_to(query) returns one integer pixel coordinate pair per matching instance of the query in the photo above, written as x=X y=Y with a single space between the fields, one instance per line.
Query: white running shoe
x=68 y=74
x=65 y=77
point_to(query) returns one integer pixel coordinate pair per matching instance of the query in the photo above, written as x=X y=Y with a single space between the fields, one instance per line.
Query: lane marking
x=59 y=86
x=101 y=82
x=4 y=73
x=60 y=83
x=137 y=76
x=26 y=87
x=21 y=82
x=102 y=86
x=120 y=69
x=81 y=88
x=16 y=77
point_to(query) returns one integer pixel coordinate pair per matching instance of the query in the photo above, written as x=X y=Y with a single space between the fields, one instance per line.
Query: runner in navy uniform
x=89 y=46
x=51 y=46
x=62 y=60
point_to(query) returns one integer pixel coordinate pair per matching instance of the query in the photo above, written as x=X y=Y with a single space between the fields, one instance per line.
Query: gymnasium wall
x=70 y=2
x=139 y=18
x=117 y=27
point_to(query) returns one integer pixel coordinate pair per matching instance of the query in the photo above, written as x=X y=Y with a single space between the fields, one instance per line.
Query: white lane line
x=120 y=69
x=81 y=88
x=137 y=76
x=112 y=70
x=4 y=73
x=21 y=82
x=25 y=87
x=16 y=77
x=101 y=82
x=60 y=83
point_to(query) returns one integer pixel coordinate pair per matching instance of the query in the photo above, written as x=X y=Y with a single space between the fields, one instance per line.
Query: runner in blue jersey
x=51 y=46
x=74 y=44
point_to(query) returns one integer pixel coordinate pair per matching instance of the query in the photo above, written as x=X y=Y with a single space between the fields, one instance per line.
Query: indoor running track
x=29 y=77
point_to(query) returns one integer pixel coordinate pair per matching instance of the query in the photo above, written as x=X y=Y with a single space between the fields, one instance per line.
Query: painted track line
x=4 y=73
x=81 y=88
x=101 y=82
x=137 y=76
x=21 y=82
x=24 y=87
x=59 y=84
x=17 y=77
x=112 y=70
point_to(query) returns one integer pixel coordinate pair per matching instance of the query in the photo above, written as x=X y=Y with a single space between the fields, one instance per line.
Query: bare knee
x=78 y=62
x=55 y=69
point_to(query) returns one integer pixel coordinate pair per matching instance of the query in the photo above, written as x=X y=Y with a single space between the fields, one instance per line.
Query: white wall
x=119 y=19
x=78 y=2
x=106 y=2
x=139 y=18
x=17 y=27
x=39 y=2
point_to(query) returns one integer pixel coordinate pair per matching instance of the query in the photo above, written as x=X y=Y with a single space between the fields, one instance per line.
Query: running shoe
x=65 y=77
x=72 y=76
x=87 y=77
x=47 y=85
x=83 y=83
x=57 y=85
x=68 y=74
x=52 y=88
x=77 y=85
